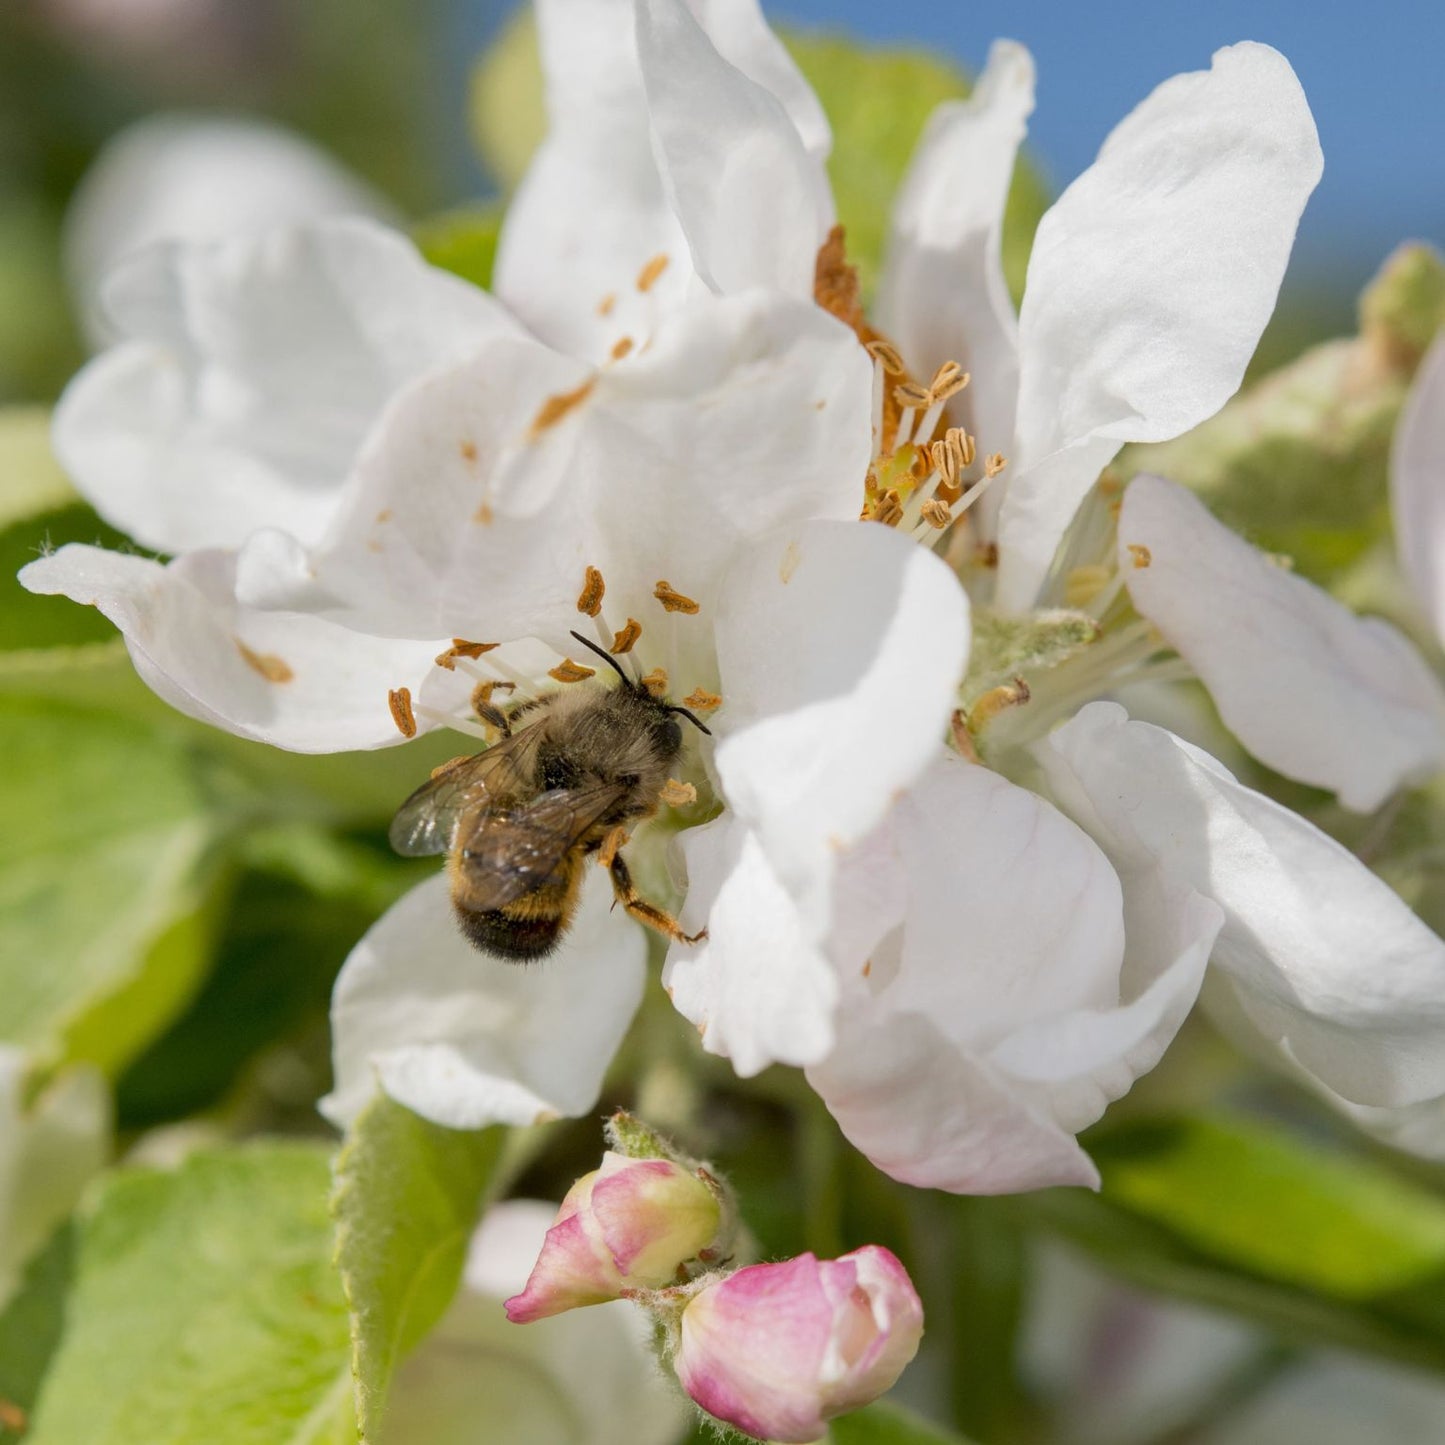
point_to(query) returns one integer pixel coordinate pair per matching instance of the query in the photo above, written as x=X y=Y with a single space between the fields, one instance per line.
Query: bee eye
x=667 y=735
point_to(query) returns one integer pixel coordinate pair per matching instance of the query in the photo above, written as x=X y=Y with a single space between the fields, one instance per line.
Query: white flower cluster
x=365 y=469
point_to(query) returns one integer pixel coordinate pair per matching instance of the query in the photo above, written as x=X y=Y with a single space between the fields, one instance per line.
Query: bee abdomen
x=505 y=935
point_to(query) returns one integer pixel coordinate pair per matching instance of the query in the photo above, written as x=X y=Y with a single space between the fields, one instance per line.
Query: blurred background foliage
x=176 y=903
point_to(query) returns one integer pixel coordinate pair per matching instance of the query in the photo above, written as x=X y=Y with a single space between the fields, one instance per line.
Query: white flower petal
x=471 y=519
x=1417 y=485
x=1003 y=1013
x=253 y=369
x=283 y=678
x=754 y=204
x=1328 y=965
x=590 y=213
x=1150 y=281
x=840 y=649
x=197 y=177
x=758 y=986
x=943 y=296
x=466 y=1040
x=49 y=1148
x=1319 y=694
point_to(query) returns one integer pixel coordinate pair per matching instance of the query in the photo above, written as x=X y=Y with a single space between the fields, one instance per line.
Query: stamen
x=593 y=588
x=702 y=700
x=624 y=640
x=655 y=682
x=569 y=671
x=647 y=277
x=556 y=407
x=399 y=701
x=1140 y=553
x=886 y=355
x=271 y=667
x=677 y=795
x=962 y=738
x=888 y=509
x=948 y=381
x=605 y=305
x=673 y=600
x=936 y=515
x=993 y=464
x=621 y=347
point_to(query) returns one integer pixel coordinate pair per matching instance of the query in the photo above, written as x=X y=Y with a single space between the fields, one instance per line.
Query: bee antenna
x=696 y=721
x=607 y=657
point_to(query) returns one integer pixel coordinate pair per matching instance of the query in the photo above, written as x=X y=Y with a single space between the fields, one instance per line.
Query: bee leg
x=610 y=844
x=643 y=911
x=495 y=716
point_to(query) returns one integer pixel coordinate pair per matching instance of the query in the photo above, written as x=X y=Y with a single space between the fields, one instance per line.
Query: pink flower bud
x=779 y=1349
x=632 y=1224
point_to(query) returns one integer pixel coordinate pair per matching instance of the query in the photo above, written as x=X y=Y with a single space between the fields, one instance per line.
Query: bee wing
x=512 y=852
x=425 y=823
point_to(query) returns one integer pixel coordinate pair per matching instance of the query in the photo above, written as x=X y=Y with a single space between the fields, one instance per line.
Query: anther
x=647 y=277
x=655 y=682
x=462 y=648
x=936 y=514
x=995 y=701
x=569 y=671
x=677 y=795
x=909 y=393
x=962 y=738
x=882 y=352
x=888 y=509
x=621 y=347
x=482 y=692
x=993 y=464
x=672 y=600
x=948 y=380
x=399 y=701
x=1140 y=553
x=702 y=700
x=590 y=599
x=623 y=641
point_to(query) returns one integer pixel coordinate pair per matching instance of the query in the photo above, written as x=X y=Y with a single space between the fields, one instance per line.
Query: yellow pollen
x=647 y=277
x=993 y=464
x=673 y=600
x=936 y=514
x=569 y=671
x=556 y=407
x=677 y=795
x=656 y=682
x=883 y=352
x=700 y=700
x=1141 y=554
x=590 y=601
x=271 y=667
x=621 y=348
x=995 y=700
x=623 y=641
x=399 y=701
x=605 y=305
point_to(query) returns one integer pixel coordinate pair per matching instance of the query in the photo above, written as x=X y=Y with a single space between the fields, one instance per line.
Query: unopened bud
x=632 y=1224
x=777 y=1350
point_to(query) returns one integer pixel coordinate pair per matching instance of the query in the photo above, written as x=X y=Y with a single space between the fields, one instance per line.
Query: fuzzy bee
x=573 y=771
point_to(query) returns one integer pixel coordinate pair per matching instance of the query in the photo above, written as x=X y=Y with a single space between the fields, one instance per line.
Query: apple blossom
x=777 y=1350
x=632 y=1224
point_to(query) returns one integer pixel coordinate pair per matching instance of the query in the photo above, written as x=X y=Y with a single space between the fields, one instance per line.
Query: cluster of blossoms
x=775 y=1350
x=936 y=866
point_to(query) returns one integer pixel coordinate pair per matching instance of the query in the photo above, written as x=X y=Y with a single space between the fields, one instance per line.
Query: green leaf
x=884 y=1423
x=104 y=923
x=30 y=1330
x=462 y=242
x=408 y=1196
x=877 y=101
x=204 y=1309
x=1322 y=1246
x=30 y=478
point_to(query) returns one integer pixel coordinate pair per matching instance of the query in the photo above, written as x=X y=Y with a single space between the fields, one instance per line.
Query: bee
x=573 y=771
